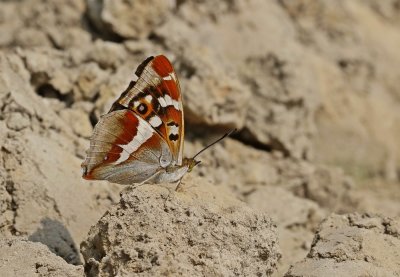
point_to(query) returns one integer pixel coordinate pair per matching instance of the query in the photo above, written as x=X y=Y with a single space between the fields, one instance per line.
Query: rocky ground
x=308 y=186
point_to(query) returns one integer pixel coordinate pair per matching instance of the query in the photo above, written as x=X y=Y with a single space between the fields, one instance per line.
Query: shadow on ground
x=57 y=238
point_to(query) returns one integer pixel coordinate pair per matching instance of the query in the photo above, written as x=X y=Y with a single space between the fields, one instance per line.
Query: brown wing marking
x=124 y=149
x=172 y=103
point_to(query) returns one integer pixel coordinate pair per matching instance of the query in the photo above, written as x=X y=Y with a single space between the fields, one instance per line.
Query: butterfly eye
x=142 y=108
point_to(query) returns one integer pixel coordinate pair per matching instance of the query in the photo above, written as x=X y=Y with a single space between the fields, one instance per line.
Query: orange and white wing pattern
x=156 y=97
x=125 y=149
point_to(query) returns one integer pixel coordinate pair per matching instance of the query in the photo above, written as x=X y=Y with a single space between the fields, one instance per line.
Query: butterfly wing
x=125 y=149
x=156 y=97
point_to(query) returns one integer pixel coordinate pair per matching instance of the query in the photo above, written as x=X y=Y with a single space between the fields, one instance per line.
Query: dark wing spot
x=137 y=97
x=141 y=67
x=172 y=123
x=173 y=137
x=155 y=104
x=142 y=108
x=116 y=107
x=146 y=91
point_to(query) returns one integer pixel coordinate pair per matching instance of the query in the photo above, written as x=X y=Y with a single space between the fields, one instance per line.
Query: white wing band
x=168 y=101
x=142 y=135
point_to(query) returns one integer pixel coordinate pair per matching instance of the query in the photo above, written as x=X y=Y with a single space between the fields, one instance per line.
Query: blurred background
x=311 y=85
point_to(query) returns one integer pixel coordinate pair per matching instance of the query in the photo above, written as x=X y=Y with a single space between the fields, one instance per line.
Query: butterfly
x=140 y=140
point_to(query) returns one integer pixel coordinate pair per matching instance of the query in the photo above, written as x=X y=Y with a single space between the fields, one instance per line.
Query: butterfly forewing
x=156 y=98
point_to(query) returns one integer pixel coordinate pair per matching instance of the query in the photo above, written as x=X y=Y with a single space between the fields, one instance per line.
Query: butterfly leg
x=179 y=184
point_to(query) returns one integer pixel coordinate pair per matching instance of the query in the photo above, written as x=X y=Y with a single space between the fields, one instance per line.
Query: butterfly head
x=190 y=163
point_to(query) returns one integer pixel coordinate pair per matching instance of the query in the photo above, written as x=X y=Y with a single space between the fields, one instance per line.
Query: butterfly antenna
x=215 y=142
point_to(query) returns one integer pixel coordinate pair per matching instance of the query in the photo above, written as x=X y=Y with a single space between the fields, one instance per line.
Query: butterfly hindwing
x=156 y=97
x=125 y=149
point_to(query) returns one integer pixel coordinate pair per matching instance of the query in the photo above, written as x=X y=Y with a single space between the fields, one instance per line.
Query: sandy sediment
x=353 y=245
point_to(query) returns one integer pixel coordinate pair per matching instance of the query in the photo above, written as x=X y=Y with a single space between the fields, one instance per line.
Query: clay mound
x=353 y=245
x=42 y=196
x=199 y=231
x=19 y=257
x=296 y=218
